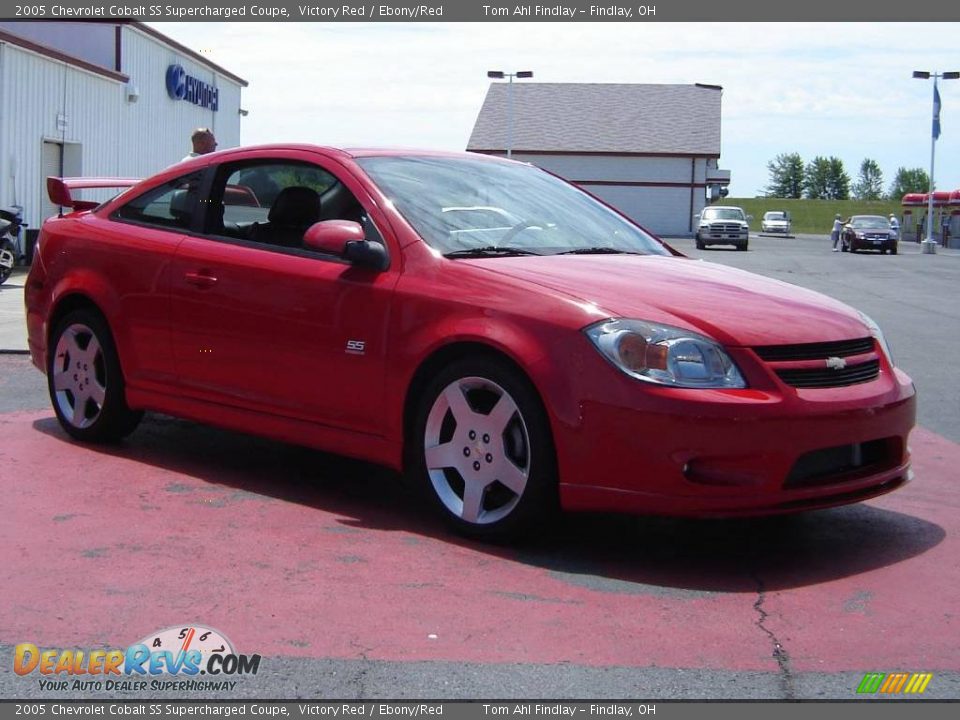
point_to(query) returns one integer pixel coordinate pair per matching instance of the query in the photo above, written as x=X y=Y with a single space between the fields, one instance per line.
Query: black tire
x=82 y=359
x=893 y=250
x=6 y=272
x=700 y=245
x=511 y=472
x=743 y=246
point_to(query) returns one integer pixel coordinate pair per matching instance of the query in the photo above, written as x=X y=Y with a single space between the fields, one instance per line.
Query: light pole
x=930 y=245
x=500 y=75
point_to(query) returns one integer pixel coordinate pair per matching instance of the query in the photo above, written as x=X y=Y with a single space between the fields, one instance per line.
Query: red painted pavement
x=295 y=553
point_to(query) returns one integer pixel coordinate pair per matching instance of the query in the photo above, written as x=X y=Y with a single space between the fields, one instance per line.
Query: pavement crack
x=780 y=653
x=361 y=678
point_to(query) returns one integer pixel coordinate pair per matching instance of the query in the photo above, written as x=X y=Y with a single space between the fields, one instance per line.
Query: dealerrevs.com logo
x=184 y=652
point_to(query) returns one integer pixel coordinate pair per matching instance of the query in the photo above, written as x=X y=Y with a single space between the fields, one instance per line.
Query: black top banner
x=486 y=11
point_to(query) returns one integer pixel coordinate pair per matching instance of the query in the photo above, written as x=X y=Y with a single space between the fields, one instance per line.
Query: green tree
x=816 y=178
x=913 y=180
x=870 y=183
x=786 y=176
x=838 y=182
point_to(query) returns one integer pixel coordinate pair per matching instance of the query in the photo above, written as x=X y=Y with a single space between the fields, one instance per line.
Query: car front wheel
x=484 y=452
x=85 y=380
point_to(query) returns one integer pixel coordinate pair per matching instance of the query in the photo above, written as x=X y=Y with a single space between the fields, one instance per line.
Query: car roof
x=356 y=152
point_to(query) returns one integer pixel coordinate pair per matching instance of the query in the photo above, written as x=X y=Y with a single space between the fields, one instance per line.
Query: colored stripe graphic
x=894 y=683
x=871 y=682
x=918 y=683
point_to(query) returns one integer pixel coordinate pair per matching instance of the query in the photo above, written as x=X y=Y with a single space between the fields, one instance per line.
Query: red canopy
x=914 y=199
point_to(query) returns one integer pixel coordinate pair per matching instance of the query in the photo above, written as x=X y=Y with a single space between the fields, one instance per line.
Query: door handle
x=201 y=279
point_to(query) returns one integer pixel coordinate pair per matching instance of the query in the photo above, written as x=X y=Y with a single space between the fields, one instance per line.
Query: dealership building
x=111 y=98
x=651 y=151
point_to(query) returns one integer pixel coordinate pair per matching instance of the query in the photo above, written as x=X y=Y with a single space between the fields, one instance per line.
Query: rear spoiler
x=58 y=189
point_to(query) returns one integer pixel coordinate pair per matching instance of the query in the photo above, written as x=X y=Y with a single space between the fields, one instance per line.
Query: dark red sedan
x=511 y=342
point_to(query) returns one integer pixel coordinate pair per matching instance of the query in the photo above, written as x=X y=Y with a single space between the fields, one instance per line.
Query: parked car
x=510 y=342
x=723 y=225
x=869 y=232
x=775 y=221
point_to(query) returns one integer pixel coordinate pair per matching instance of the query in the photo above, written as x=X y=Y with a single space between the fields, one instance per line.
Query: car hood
x=733 y=306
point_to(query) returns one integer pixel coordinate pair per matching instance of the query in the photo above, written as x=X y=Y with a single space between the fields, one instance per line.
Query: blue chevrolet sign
x=181 y=86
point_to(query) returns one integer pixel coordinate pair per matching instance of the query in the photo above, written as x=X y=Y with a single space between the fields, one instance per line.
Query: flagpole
x=930 y=243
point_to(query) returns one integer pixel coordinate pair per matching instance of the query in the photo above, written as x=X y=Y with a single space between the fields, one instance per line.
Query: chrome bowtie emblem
x=836 y=363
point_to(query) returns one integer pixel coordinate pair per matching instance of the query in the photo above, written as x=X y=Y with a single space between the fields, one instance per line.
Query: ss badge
x=356 y=347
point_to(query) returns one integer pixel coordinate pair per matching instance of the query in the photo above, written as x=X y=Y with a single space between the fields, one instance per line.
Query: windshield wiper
x=599 y=251
x=488 y=251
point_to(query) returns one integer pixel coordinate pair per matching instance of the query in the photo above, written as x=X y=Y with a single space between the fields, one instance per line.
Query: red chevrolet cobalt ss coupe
x=509 y=341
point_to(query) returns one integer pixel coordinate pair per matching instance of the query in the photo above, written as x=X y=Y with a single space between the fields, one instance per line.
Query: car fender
x=531 y=351
x=95 y=290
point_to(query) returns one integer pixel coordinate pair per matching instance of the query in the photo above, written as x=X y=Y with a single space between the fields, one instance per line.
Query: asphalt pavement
x=335 y=573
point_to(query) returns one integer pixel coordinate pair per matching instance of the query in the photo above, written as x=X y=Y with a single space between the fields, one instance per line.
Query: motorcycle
x=11 y=224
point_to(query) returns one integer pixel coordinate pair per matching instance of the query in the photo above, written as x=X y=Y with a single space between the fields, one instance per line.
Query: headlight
x=878 y=334
x=665 y=355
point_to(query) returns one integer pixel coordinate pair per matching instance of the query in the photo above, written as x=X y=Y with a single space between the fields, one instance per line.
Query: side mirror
x=749 y=218
x=345 y=238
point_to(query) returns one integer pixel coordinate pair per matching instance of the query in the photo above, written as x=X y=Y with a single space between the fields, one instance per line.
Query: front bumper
x=705 y=453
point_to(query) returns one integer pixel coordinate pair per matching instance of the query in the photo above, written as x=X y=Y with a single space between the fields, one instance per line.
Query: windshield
x=869 y=222
x=460 y=204
x=723 y=213
x=775 y=216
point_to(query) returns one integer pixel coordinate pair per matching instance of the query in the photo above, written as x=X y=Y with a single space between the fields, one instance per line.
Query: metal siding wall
x=663 y=210
x=602 y=167
x=158 y=126
x=115 y=137
x=40 y=89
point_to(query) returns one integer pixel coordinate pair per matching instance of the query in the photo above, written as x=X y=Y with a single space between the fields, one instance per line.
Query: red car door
x=280 y=330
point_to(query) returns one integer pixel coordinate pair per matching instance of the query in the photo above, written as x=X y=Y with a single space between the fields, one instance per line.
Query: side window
x=172 y=205
x=275 y=203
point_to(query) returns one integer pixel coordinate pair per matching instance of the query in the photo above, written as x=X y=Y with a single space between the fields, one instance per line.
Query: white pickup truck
x=723 y=225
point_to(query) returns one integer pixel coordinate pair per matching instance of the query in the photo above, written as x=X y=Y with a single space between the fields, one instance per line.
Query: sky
x=830 y=89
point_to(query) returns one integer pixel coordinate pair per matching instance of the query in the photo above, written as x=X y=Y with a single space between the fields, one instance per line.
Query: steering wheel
x=517 y=229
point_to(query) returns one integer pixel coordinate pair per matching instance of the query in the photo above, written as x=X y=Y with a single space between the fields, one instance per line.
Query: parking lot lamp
x=500 y=75
x=929 y=244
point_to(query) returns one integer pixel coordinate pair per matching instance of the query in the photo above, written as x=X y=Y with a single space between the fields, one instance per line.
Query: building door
x=51 y=163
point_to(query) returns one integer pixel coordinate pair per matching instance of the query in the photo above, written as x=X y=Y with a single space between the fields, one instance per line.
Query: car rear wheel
x=484 y=451
x=85 y=380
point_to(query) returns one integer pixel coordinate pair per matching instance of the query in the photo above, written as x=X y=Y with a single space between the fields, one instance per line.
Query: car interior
x=261 y=205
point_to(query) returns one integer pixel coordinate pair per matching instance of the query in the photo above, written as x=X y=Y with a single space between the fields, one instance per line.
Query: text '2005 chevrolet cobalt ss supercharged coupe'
x=509 y=341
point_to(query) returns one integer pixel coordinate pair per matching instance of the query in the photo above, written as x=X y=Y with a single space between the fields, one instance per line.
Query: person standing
x=835 y=233
x=203 y=141
x=895 y=224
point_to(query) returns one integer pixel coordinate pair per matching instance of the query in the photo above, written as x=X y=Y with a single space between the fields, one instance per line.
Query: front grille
x=815 y=351
x=725 y=228
x=827 y=377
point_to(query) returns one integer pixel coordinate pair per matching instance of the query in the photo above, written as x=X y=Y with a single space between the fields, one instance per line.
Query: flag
x=936 y=112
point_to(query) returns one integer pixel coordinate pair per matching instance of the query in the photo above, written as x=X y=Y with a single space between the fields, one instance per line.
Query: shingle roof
x=607 y=118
